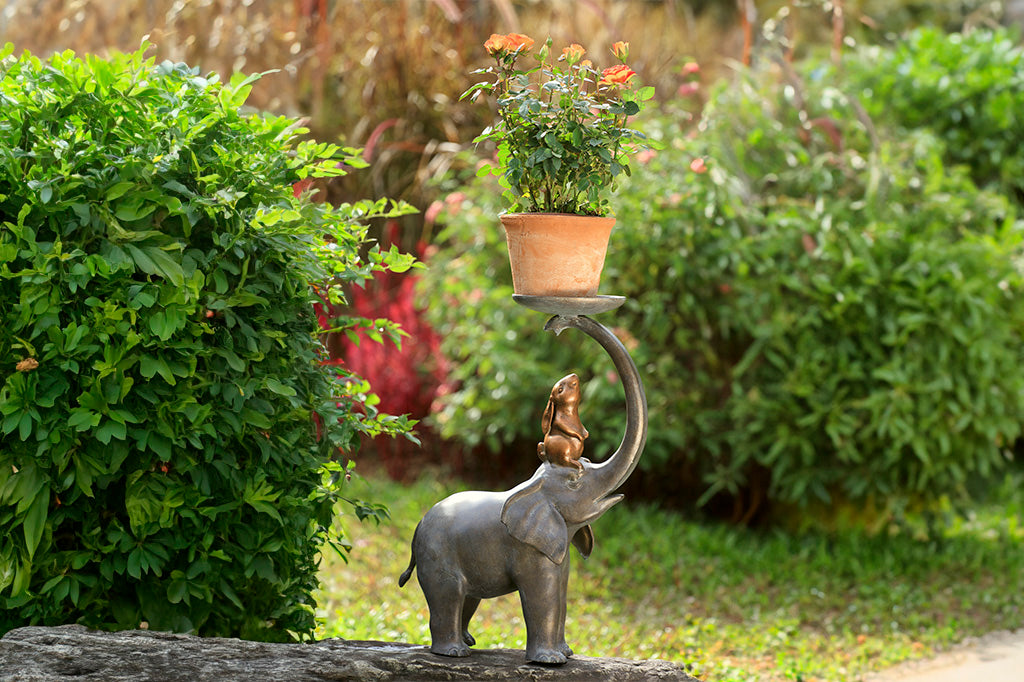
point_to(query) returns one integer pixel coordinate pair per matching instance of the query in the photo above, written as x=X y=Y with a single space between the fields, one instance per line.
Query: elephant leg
x=445 y=598
x=540 y=594
x=563 y=647
x=468 y=609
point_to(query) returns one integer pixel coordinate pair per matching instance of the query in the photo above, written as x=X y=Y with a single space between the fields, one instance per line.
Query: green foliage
x=968 y=89
x=169 y=436
x=828 y=313
x=561 y=136
x=888 y=19
x=733 y=604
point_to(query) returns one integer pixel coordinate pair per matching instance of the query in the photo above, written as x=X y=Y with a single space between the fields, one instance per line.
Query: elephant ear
x=584 y=541
x=532 y=519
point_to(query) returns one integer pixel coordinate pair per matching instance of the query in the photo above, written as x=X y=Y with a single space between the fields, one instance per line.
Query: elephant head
x=558 y=504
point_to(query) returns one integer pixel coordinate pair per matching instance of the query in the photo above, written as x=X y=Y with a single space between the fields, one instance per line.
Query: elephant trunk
x=607 y=476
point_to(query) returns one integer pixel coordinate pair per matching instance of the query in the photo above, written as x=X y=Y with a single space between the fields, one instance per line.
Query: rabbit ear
x=549 y=415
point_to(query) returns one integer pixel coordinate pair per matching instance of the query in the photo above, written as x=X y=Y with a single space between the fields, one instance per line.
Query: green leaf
x=154 y=261
x=168 y=267
x=244 y=298
x=22 y=579
x=118 y=190
x=398 y=262
x=101 y=71
x=237 y=91
x=83 y=474
x=151 y=365
x=161 y=445
x=230 y=593
x=176 y=186
x=10 y=422
x=176 y=591
x=256 y=419
x=82 y=419
x=35 y=520
x=110 y=429
x=27 y=484
x=166 y=322
x=236 y=363
x=134 y=564
x=25 y=425
x=279 y=388
x=135 y=208
x=50 y=584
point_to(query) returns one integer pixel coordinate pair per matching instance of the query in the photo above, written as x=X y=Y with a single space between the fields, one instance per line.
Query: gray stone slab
x=72 y=652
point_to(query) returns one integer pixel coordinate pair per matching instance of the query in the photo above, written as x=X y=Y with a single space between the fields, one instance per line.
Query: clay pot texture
x=556 y=254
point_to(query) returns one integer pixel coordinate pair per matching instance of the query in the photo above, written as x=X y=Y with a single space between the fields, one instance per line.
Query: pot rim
x=553 y=213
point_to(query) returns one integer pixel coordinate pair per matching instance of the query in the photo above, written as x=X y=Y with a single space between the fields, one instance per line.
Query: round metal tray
x=569 y=305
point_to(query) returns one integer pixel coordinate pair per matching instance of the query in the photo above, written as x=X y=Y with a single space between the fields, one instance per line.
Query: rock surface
x=72 y=652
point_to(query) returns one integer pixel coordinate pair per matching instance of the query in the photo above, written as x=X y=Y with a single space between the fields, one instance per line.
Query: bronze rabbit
x=564 y=433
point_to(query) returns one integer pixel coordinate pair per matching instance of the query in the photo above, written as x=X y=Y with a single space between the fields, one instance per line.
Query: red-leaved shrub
x=407 y=379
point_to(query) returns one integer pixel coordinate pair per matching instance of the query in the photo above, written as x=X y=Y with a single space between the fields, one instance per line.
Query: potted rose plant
x=562 y=141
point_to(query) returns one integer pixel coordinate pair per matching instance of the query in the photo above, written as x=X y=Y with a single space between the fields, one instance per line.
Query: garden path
x=996 y=657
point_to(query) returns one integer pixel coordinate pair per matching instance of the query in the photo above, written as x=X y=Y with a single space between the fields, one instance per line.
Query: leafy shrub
x=822 y=310
x=967 y=88
x=169 y=438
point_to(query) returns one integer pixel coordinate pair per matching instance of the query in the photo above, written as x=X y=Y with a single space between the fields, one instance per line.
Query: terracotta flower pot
x=556 y=254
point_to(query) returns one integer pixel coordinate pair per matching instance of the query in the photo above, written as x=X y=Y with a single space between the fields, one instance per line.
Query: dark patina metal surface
x=569 y=305
x=476 y=545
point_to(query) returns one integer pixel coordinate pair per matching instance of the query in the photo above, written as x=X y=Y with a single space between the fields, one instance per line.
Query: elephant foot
x=468 y=638
x=546 y=656
x=458 y=650
x=565 y=649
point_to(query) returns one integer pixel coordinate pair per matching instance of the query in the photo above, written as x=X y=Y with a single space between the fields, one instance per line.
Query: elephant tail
x=404 y=578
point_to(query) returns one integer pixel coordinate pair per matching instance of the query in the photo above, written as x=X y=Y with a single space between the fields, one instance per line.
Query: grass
x=731 y=604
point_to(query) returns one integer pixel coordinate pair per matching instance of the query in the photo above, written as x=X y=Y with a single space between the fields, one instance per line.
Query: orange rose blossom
x=618 y=75
x=518 y=41
x=495 y=44
x=499 y=44
x=573 y=53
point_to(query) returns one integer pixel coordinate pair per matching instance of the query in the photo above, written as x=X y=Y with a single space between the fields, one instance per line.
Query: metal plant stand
x=477 y=545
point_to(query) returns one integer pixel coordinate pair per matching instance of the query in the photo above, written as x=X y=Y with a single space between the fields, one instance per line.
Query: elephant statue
x=477 y=545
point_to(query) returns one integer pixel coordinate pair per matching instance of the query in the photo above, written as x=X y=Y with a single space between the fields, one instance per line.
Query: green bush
x=967 y=88
x=828 y=313
x=170 y=438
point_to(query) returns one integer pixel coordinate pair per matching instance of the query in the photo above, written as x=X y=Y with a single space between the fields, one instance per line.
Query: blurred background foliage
x=382 y=75
x=822 y=265
x=387 y=75
x=825 y=305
